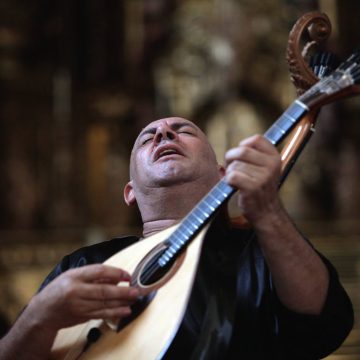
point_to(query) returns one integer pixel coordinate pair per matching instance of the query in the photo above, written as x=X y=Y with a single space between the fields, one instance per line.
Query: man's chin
x=172 y=179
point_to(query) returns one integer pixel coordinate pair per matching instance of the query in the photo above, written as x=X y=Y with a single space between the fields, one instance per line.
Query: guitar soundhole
x=152 y=272
x=149 y=276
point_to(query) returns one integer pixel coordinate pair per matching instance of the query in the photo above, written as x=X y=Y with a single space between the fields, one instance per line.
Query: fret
x=188 y=224
x=289 y=117
x=203 y=211
x=283 y=125
x=302 y=105
x=197 y=219
x=222 y=193
x=179 y=243
x=275 y=135
x=286 y=122
x=272 y=137
x=199 y=213
x=297 y=109
x=281 y=129
x=226 y=189
x=164 y=258
x=283 y=122
x=208 y=205
x=170 y=252
x=215 y=198
x=178 y=239
x=174 y=248
x=186 y=229
x=218 y=191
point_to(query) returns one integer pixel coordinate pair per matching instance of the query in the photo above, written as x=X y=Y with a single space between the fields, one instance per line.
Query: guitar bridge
x=136 y=309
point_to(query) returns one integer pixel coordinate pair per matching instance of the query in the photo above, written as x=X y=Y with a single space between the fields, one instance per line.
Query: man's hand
x=300 y=277
x=253 y=167
x=81 y=294
x=78 y=295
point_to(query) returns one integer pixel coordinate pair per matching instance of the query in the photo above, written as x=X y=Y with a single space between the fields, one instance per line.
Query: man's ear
x=222 y=170
x=129 y=195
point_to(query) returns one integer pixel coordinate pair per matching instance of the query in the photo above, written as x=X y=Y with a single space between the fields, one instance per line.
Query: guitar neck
x=208 y=207
x=276 y=133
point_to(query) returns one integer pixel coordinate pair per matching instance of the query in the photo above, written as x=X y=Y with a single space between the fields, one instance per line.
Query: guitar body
x=149 y=335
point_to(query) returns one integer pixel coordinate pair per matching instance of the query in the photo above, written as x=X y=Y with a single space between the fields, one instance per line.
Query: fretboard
x=286 y=122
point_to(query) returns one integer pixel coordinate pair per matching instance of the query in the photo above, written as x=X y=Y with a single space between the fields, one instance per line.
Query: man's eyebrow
x=178 y=125
x=151 y=130
x=174 y=126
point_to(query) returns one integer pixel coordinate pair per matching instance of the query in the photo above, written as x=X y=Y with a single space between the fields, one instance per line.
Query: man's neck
x=155 y=226
x=164 y=207
x=152 y=227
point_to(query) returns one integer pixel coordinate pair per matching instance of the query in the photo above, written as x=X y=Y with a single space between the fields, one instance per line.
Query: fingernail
x=127 y=311
x=126 y=275
x=134 y=292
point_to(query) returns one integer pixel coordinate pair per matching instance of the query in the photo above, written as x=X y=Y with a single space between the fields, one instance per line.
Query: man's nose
x=165 y=133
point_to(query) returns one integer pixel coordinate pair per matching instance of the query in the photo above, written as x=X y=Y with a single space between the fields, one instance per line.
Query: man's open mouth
x=166 y=151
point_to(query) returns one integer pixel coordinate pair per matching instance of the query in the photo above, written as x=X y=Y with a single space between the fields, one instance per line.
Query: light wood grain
x=150 y=334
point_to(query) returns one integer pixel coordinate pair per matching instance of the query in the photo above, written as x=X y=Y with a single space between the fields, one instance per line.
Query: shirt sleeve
x=93 y=254
x=61 y=267
x=319 y=335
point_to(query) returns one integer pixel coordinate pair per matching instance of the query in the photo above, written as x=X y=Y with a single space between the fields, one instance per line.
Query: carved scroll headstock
x=311 y=30
x=332 y=84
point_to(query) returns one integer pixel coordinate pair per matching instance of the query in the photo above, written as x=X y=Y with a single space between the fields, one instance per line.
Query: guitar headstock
x=341 y=83
x=309 y=64
x=308 y=35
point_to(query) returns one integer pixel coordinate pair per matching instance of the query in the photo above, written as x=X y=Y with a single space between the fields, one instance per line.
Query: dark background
x=79 y=78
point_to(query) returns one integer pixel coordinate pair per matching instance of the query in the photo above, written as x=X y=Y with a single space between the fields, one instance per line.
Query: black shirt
x=234 y=311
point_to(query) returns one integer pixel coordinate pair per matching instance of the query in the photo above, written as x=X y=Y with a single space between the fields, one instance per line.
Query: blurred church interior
x=78 y=79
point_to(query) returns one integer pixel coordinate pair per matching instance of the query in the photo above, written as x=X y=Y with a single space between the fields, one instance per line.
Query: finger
x=250 y=170
x=246 y=155
x=246 y=177
x=260 y=143
x=241 y=180
x=106 y=292
x=111 y=313
x=110 y=304
x=251 y=153
x=99 y=272
x=97 y=306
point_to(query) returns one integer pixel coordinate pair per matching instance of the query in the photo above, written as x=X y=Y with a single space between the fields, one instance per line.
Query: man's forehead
x=168 y=121
x=172 y=122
